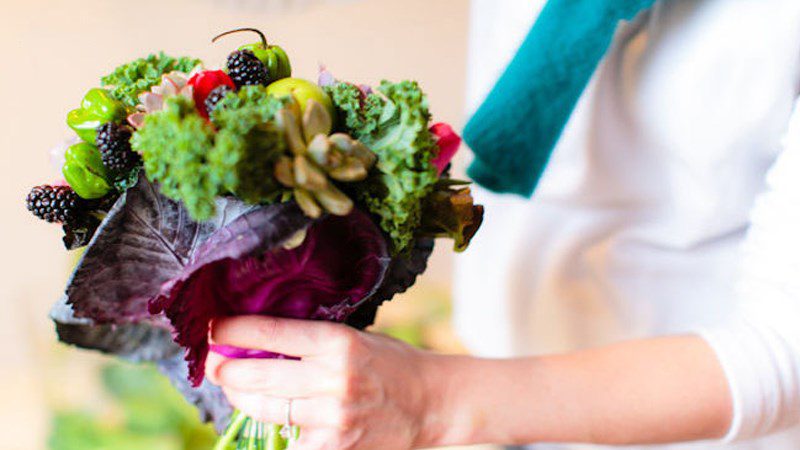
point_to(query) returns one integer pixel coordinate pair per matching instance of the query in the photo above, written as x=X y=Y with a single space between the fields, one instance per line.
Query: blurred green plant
x=148 y=414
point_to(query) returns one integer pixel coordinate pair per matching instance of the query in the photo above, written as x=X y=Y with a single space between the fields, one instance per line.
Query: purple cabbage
x=145 y=241
x=243 y=269
x=401 y=275
x=139 y=342
x=149 y=252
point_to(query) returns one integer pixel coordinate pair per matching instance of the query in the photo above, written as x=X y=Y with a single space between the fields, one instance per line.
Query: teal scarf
x=515 y=130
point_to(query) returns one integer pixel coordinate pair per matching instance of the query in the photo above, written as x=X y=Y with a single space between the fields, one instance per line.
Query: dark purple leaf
x=133 y=342
x=145 y=240
x=402 y=274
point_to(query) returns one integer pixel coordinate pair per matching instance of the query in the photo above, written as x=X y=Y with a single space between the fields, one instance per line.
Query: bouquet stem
x=245 y=433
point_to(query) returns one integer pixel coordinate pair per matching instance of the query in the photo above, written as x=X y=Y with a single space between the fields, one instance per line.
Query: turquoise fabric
x=515 y=130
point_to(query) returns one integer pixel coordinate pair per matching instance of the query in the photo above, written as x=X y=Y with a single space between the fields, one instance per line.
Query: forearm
x=640 y=392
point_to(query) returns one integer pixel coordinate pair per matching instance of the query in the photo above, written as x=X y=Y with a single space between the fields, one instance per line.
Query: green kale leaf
x=248 y=144
x=175 y=143
x=394 y=124
x=242 y=110
x=355 y=110
x=129 y=80
x=247 y=162
x=194 y=163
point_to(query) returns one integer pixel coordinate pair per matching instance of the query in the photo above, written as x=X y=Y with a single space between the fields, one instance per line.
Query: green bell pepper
x=97 y=108
x=84 y=171
x=274 y=58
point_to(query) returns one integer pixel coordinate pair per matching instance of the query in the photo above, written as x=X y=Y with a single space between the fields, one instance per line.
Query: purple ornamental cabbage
x=148 y=252
x=340 y=263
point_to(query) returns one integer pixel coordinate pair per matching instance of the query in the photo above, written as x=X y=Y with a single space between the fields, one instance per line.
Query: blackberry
x=245 y=69
x=57 y=204
x=216 y=96
x=114 y=142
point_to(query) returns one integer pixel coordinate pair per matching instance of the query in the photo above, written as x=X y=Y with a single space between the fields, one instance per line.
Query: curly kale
x=248 y=144
x=175 y=144
x=355 y=110
x=129 y=80
x=240 y=111
x=394 y=124
x=195 y=164
x=247 y=162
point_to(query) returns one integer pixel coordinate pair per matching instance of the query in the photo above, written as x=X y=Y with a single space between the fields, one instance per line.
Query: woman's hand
x=352 y=390
x=355 y=390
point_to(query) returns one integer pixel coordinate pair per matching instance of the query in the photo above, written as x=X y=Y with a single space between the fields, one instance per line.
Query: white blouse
x=671 y=204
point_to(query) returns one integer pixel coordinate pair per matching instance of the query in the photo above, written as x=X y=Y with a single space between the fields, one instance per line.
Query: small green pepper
x=274 y=58
x=98 y=107
x=84 y=171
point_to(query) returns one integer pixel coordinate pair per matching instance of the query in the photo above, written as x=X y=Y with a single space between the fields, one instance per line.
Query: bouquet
x=203 y=193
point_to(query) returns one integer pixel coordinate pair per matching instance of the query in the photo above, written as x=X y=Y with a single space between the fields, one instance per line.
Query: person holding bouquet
x=647 y=295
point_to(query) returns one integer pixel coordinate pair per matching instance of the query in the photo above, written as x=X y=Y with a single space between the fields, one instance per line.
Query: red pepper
x=206 y=81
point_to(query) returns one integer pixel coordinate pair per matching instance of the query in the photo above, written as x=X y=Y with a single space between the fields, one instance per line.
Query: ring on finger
x=286 y=430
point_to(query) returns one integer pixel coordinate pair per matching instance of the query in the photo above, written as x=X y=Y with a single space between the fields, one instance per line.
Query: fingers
x=213 y=361
x=286 y=336
x=305 y=412
x=273 y=377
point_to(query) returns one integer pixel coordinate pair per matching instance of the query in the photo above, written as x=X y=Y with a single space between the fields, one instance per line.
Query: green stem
x=232 y=432
x=252 y=437
x=274 y=439
x=254 y=30
x=244 y=433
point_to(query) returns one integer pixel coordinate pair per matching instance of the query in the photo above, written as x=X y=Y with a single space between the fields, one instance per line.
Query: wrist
x=471 y=400
x=448 y=415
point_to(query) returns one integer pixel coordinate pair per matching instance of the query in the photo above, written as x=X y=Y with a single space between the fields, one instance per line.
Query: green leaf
x=194 y=163
x=175 y=143
x=248 y=144
x=451 y=213
x=394 y=124
x=131 y=79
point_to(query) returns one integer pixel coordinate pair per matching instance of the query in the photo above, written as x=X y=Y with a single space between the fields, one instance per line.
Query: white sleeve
x=759 y=348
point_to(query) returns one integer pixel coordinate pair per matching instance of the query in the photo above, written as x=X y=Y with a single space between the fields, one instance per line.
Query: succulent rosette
x=201 y=194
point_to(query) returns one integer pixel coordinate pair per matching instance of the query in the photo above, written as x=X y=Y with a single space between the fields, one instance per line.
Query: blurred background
x=52 y=52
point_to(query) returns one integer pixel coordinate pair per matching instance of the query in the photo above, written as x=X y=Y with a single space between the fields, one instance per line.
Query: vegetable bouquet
x=204 y=193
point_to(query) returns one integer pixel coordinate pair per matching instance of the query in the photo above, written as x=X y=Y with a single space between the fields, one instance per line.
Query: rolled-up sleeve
x=759 y=348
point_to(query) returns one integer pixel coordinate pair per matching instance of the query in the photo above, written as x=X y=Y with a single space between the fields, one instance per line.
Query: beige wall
x=54 y=50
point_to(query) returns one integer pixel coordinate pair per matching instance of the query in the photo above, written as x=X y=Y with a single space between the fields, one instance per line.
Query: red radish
x=206 y=81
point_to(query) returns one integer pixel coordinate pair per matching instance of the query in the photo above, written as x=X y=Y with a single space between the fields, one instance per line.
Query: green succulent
x=318 y=160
